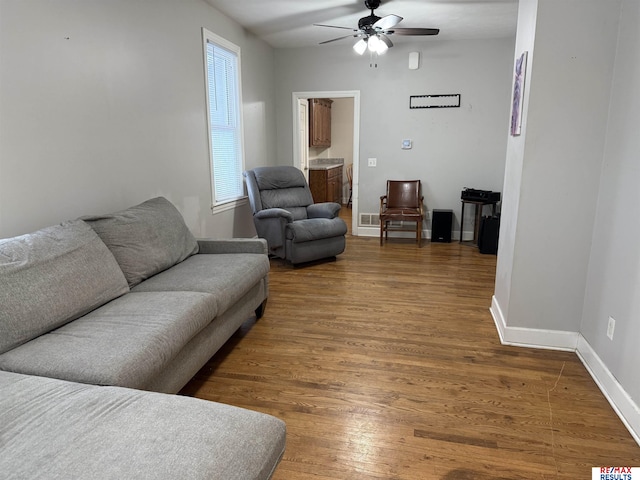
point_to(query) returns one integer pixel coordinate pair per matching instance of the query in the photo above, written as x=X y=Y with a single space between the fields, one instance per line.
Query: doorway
x=303 y=137
x=300 y=142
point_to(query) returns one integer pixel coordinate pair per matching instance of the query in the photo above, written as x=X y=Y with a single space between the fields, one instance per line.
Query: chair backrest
x=350 y=174
x=403 y=194
x=279 y=187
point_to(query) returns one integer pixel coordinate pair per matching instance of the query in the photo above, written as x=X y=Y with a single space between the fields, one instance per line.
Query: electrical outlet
x=611 y=327
x=372 y=162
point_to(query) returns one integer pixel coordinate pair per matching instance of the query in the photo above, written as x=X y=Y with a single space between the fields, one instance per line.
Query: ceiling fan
x=373 y=31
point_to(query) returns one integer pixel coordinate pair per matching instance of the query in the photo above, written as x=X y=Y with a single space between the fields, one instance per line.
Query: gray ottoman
x=52 y=429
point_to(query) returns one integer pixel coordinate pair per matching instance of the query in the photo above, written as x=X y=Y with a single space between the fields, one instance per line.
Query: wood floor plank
x=386 y=364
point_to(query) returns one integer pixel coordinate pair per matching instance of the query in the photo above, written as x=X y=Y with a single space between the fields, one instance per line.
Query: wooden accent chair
x=403 y=202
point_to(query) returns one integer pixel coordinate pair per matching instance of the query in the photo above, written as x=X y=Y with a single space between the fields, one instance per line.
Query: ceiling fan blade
x=386 y=40
x=388 y=21
x=414 y=31
x=334 y=26
x=336 y=39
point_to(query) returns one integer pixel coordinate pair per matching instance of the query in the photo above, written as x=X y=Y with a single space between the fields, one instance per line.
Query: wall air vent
x=369 y=219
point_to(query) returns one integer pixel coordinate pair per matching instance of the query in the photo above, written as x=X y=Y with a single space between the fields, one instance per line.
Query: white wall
x=613 y=282
x=542 y=277
x=525 y=42
x=567 y=117
x=102 y=106
x=568 y=255
x=452 y=147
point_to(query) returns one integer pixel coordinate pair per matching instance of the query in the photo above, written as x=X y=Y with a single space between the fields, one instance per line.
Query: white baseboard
x=375 y=232
x=531 y=337
x=616 y=395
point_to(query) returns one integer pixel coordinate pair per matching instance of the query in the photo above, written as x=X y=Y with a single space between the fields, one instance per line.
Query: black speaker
x=441 y=223
x=488 y=235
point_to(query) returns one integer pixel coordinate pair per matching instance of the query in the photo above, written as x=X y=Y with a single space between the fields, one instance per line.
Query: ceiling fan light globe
x=373 y=31
x=374 y=43
x=360 y=47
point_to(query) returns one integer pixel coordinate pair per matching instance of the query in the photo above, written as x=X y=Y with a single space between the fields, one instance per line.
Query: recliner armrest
x=274 y=213
x=323 y=210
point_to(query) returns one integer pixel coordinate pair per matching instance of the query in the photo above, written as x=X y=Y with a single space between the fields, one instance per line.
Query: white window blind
x=225 y=118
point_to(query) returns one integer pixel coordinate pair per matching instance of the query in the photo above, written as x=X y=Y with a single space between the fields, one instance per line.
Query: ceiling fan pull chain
x=372 y=63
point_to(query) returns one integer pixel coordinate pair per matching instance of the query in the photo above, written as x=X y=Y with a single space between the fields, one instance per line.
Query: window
x=222 y=60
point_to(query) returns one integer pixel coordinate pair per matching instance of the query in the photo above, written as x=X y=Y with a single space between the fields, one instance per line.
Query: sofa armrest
x=274 y=213
x=233 y=245
x=323 y=210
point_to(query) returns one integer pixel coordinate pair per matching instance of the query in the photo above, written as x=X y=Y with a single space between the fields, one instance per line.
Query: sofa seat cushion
x=62 y=430
x=315 y=229
x=225 y=276
x=126 y=342
x=52 y=276
x=145 y=239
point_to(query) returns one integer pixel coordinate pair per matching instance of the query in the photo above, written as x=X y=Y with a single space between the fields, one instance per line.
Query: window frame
x=209 y=37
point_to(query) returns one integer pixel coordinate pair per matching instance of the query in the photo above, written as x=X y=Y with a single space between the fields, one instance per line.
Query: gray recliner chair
x=284 y=214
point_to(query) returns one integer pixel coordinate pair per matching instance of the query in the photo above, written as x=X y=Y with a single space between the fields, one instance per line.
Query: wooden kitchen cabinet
x=320 y=122
x=326 y=184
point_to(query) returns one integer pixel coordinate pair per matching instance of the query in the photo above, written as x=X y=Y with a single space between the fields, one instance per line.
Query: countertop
x=325 y=163
x=325 y=167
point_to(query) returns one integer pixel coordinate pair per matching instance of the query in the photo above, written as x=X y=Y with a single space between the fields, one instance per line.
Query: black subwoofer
x=488 y=235
x=441 y=224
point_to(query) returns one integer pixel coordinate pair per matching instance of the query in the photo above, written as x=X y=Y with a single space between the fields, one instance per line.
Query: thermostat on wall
x=406 y=144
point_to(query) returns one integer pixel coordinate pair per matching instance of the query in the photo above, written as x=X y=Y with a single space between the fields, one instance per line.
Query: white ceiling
x=289 y=23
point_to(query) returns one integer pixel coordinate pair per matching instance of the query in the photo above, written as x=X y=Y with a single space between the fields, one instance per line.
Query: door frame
x=355 y=95
x=303 y=131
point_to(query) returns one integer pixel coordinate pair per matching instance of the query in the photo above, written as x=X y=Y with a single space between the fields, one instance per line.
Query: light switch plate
x=414 y=60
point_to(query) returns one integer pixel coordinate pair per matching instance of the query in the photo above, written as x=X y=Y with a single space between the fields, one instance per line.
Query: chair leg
x=419 y=233
x=381 y=230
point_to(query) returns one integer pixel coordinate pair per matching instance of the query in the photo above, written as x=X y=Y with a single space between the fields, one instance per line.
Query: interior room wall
x=525 y=42
x=102 y=106
x=613 y=281
x=571 y=84
x=452 y=147
x=566 y=117
x=568 y=259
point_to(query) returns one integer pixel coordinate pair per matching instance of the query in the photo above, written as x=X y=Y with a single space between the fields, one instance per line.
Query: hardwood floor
x=386 y=364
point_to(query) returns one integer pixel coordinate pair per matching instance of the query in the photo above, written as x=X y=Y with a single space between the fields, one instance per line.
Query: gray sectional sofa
x=96 y=315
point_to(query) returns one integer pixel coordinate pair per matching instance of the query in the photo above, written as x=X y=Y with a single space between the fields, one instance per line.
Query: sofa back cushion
x=145 y=239
x=51 y=277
